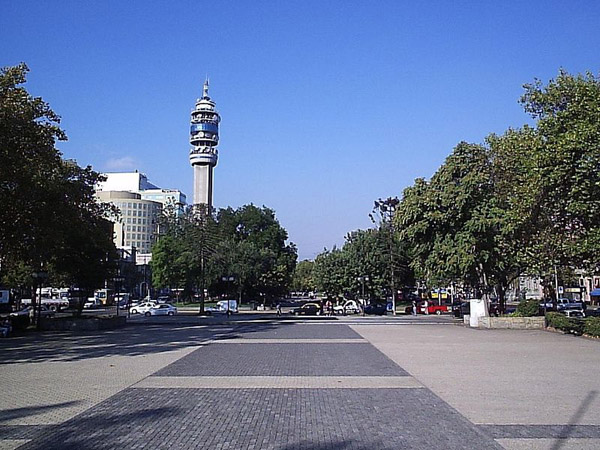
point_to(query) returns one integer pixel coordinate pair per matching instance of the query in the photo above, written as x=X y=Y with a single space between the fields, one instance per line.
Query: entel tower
x=204 y=136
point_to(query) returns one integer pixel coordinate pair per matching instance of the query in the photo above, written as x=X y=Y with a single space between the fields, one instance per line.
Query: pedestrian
x=425 y=306
x=329 y=307
x=414 y=307
x=278 y=309
x=5 y=328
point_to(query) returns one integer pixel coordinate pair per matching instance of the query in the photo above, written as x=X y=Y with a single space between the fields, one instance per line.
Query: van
x=225 y=305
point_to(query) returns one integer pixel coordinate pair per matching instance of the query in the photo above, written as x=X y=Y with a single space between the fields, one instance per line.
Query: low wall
x=83 y=324
x=516 y=323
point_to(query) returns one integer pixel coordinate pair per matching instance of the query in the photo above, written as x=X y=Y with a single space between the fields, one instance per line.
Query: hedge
x=592 y=326
x=528 y=308
x=589 y=326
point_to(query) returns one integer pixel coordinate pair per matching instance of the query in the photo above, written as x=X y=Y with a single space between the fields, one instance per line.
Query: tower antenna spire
x=205 y=88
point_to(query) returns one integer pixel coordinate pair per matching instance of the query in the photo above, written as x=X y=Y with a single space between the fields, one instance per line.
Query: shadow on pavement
x=135 y=339
x=16 y=413
x=567 y=430
x=100 y=430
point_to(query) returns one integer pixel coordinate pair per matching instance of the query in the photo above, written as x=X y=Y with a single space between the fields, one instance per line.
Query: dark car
x=309 y=309
x=461 y=309
x=376 y=309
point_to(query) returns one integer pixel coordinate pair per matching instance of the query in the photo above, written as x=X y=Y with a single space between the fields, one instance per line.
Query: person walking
x=329 y=307
x=414 y=307
x=278 y=309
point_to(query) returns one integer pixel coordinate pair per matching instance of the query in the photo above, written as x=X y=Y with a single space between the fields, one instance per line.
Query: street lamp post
x=118 y=279
x=362 y=282
x=228 y=280
x=39 y=277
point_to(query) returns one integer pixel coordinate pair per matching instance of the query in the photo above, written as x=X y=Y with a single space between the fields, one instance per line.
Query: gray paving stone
x=300 y=330
x=22 y=431
x=541 y=431
x=277 y=419
x=360 y=359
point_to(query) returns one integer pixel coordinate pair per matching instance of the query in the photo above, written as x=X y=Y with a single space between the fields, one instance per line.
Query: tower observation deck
x=204 y=137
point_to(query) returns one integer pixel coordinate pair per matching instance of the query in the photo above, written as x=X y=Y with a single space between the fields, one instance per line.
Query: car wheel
x=147 y=314
x=134 y=311
x=52 y=308
x=170 y=313
x=438 y=312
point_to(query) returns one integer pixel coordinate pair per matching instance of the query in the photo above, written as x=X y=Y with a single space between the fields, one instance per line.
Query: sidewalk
x=306 y=385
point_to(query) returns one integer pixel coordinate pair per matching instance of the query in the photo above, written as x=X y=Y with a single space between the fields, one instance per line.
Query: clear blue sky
x=325 y=105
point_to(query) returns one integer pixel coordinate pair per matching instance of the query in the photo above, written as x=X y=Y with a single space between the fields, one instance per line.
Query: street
x=256 y=382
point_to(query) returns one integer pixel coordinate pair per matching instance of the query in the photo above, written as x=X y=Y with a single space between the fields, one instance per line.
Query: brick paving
x=268 y=419
x=284 y=360
x=293 y=401
x=274 y=385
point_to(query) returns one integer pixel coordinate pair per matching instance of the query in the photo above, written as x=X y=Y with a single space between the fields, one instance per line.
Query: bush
x=528 y=308
x=564 y=323
x=592 y=326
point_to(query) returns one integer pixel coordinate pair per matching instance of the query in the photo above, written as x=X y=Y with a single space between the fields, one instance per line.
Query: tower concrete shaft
x=204 y=137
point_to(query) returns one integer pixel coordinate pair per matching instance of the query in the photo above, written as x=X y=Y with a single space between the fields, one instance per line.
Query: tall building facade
x=138 y=182
x=137 y=226
x=204 y=138
x=141 y=204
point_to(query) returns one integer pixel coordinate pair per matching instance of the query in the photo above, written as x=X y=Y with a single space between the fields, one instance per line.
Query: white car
x=349 y=307
x=578 y=313
x=163 y=309
x=93 y=303
x=142 y=308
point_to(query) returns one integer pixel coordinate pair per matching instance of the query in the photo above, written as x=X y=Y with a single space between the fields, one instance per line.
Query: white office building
x=137 y=226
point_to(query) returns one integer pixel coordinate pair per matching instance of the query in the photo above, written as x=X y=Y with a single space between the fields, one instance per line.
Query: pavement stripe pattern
x=282 y=394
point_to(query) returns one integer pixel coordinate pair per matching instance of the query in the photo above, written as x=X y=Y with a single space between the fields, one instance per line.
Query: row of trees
x=240 y=252
x=524 y=202
x=51 y=226
x=374 y=257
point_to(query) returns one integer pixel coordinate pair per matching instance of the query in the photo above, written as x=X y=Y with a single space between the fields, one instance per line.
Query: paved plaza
x=263 y=383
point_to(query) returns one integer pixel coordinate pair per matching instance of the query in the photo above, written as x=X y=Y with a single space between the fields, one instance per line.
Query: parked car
x=348 y=307
x=93 y=303
x=308 y=309
x=461 y=309
x=592 y=312
x=433 y=309
x=575 y=313
x=44 y=312
x=379 y=309
x=162 y=309
x=142 y=308
x=561 y=304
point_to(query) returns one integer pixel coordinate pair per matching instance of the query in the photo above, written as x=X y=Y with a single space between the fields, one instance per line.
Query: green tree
x=566 y=227
x=302 y=280
x=254 y=251
x=396 y=270
x=456 y=224
x=330 y=272
x=51 y=219
x=181 y=258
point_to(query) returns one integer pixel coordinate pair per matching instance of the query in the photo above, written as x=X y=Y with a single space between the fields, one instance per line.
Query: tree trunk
x=501 y=298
